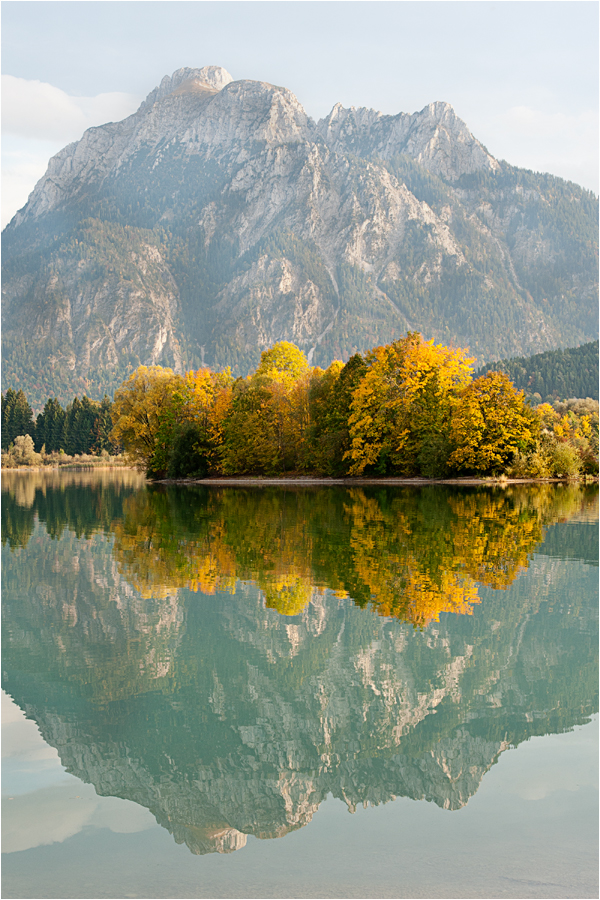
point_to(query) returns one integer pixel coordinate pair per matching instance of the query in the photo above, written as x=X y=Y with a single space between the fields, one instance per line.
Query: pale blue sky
x=523 y=75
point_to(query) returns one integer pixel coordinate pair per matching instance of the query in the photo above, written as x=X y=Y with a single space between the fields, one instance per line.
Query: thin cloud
x=39 y=119
x=37 y=110
x=24 y=161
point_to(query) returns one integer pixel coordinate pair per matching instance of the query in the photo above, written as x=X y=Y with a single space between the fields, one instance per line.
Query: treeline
x=83 y=427
x=404 y=409
x=554 y=375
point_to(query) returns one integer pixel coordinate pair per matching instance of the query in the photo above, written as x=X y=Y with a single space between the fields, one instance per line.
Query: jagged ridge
x=220 y=218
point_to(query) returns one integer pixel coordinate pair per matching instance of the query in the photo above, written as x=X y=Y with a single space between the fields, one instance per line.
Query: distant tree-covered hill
x=554 y=375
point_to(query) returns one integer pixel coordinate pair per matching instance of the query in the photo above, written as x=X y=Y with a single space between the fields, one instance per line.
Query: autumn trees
x=404 y=409
x=266 y=428
x=491 y=423
x=409 y=408
x=171 y=424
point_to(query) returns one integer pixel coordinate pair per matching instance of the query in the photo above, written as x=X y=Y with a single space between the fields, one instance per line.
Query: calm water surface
x=332 y=692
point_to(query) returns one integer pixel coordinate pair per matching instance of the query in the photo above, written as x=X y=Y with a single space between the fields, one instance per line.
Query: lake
x=306 y=691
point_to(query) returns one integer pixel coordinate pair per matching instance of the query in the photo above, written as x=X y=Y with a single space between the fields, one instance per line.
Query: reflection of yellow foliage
x=495 y=538
x=156 y=562
x=412 y=556
x=289 y=595
x=400 y=584
x=422 y=600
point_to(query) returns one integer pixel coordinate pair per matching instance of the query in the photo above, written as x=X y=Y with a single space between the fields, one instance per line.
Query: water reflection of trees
x=410 y=554
x=225 y=718
x=83 y=501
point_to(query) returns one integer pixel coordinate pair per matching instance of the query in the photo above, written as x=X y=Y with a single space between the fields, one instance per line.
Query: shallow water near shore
x=366 y=691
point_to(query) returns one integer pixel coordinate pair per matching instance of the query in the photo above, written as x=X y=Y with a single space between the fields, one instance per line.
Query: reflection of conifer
x=17 y=524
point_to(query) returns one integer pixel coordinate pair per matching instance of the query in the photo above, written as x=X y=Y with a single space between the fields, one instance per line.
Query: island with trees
x=408 y=408
x=411 y=408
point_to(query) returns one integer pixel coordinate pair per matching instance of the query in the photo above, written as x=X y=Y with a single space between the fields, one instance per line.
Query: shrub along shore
x=408 y=410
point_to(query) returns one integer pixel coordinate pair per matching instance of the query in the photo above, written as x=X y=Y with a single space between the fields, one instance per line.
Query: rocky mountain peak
x=436 y=137
x=439 y=110
x=220 y=218
x=214 y=77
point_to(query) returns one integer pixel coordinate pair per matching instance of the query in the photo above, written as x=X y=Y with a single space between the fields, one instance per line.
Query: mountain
x=220 y=218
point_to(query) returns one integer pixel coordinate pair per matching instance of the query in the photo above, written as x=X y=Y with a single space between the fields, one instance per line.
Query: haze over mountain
x=219 y=219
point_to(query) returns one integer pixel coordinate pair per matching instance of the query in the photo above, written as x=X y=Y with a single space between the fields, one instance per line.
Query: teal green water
x=201 y=685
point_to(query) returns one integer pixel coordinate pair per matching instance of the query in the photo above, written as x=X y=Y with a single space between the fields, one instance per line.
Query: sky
x=523 y=74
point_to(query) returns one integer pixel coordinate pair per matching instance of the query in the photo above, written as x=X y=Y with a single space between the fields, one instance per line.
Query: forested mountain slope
x=220 y=219
x=556 y=374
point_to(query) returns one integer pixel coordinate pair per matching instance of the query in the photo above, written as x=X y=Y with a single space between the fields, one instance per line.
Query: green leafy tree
x=330 y=401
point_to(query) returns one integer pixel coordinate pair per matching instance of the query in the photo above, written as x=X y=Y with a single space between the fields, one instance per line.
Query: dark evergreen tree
x=48 y=426
x=8 y=402
x=17 y=417
x=55 y=431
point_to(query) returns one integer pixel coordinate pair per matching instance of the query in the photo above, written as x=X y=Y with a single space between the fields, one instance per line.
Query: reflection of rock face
x=226 y=719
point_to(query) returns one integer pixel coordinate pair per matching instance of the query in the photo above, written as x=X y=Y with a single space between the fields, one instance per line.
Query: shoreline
x=312 y=480
x=309 y=480
x=67 y=467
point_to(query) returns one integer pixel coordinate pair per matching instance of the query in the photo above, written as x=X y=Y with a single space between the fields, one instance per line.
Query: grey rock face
x=434 y=137
x=99 y=321
x=335 y=235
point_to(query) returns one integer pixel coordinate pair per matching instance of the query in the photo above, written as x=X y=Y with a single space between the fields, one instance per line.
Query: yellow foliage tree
x=265 y=431
x=154 y=403
x=490 y=424
x=138 y=411
x=402 y=407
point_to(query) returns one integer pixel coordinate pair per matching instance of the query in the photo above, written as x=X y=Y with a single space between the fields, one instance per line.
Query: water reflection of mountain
x=225 y=718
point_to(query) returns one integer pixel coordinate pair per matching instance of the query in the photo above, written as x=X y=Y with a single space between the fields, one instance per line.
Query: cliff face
x=219 y=218
x=435 y=137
